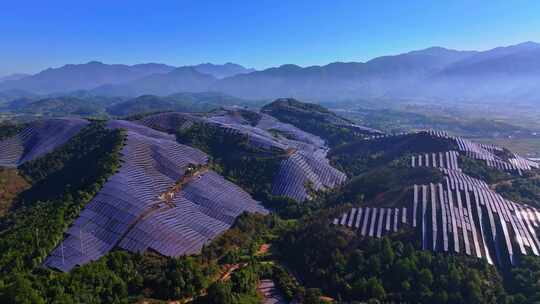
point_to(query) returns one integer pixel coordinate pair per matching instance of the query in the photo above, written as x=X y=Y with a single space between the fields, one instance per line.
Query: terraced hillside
x=304 y=166
x=163 y=198
x=460 y=214
x=37 y=139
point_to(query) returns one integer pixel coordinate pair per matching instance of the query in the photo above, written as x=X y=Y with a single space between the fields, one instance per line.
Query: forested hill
x=86 y=104
x=318 y=120
x=215 y=207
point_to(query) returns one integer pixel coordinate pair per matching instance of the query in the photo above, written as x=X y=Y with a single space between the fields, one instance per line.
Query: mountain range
x=503 y=74
x=15 y=76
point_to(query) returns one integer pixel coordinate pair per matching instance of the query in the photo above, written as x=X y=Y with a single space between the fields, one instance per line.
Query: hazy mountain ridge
x=73 y=77
x=183 y=79
x=222 y=70
x=120 y=79
x=431 y=73
x=15 y=76
x=501 y=74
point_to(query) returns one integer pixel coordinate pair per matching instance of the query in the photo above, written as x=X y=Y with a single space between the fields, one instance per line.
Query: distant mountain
x=504 y=74
x=86 y=76
x=341 y=80
x=118 y=79
x=183 y=79
x=13 y=77
x=499 y=52
x=222 y=70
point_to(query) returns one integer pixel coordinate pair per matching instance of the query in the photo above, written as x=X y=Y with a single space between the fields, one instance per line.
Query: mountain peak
x=94 y=62
x=222 y=70
x=438 y=51
x=529 y=44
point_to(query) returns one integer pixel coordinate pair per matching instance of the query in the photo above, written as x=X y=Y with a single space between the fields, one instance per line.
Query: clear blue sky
x=38 y=34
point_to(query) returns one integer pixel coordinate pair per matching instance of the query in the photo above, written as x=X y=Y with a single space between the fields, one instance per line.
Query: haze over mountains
x=15 y=76
x=504 y=74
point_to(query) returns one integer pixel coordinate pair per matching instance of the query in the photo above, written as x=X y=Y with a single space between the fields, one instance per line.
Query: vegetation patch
x=349 y=268
x=480 y=170
x=250 y=168
x=371 y=187
x=123 y=277
x=525 y=189
x=8 y=129
x=359 y=156
x=11 y=184
x=520 y=189
x=314 y=119
x=62 y=183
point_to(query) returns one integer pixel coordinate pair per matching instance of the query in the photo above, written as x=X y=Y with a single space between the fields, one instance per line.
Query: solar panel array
x=489 y=154
x=170 y=121
x=306 y=165
x=37 y=139
x=443 y=160
x=372 y=221
x=270 y=292
x=462 y=215
x=129 y=211
x=202 y=210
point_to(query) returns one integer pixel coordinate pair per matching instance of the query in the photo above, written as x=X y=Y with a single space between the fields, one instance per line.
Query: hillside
x=60 y=106
x=189 y=204
x=86 y=104
x=302 y=165
x=184 y=102
x=317 y=120
x=37 y=139
x=205 y=206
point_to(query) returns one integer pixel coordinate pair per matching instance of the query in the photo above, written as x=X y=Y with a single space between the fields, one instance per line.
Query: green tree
x=220 y=293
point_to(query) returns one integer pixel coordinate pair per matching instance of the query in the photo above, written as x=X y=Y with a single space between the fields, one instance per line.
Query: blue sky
x=38 y=34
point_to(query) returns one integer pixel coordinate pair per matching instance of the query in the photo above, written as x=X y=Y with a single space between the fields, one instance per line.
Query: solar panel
x=128 y=211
